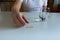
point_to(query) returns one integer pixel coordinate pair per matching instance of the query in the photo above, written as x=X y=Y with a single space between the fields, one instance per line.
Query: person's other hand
x=19 y=19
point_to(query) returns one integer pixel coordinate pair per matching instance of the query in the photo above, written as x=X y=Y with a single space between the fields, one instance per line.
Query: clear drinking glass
x=44 y=15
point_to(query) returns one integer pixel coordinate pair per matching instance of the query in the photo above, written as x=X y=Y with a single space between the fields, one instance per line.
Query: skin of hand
x=18 y=18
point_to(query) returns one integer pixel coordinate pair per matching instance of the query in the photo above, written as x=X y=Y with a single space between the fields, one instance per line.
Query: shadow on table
x=6 y=21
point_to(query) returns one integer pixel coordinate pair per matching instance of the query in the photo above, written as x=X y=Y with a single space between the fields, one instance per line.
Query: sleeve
x=21 y=0
x=45 y=2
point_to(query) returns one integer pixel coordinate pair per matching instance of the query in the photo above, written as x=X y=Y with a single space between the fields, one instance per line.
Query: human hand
x=19 y=19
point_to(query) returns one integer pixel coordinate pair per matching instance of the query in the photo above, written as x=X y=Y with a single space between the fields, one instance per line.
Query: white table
x=47 y=30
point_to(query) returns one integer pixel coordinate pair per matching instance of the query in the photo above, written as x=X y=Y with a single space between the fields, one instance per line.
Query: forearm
x=16 y=7
x=15 y=10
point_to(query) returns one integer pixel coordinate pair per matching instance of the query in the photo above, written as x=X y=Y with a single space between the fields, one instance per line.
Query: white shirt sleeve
x=44 y=2
x=21 y=0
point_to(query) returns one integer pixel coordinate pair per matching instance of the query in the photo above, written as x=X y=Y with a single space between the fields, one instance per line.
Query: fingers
x=16 y=21
x=25 y=19
x=21 y=20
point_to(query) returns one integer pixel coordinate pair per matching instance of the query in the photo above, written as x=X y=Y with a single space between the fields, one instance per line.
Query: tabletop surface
x=47 y=30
